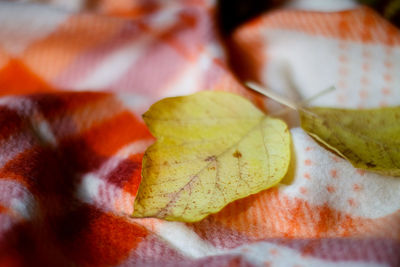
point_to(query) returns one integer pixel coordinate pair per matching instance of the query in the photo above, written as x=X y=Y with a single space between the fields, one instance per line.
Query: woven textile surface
x=75 y=77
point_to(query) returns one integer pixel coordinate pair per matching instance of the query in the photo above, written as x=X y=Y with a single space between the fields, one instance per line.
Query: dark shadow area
x=232 y=13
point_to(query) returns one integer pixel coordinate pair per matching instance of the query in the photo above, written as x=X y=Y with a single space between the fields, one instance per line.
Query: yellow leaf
x=212 y=148
x=369 y=139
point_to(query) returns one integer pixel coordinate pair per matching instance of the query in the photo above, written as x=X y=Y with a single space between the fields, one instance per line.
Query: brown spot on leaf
x=210 y=158
x=237 y=154
x=371 y=165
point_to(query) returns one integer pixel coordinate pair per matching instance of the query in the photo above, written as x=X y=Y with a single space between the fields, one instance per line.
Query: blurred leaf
x=369 y=139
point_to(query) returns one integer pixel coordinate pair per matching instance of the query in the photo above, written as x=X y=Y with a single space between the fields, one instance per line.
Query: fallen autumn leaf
x=369 y=138
x=212 y=148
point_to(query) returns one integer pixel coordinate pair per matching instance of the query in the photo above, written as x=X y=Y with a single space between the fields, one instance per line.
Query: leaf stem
x=284 y=101
x=323 y=92
x=269 y=93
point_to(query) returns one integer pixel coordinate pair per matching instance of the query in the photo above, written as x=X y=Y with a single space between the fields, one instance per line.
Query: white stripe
x=23 y=24
x=186 y=241
x=113 y=66
x=318 y=5
x=9 y=196
x=88 y=190
x=257 y=254
x=190 y=79
x=138 y=104
x=44 y=130
x=183 y=239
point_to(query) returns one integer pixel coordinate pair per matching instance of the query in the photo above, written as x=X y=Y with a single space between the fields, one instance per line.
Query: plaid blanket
x=75 y=77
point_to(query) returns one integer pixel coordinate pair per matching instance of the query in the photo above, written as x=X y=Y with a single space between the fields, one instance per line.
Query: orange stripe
x=75 y=36
x=16 y=78
x=106 y=138
x=128 y=8
x=361 y=25
x=272 y=214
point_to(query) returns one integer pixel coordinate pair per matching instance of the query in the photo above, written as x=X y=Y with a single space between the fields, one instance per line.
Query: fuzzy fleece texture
x=75 y=80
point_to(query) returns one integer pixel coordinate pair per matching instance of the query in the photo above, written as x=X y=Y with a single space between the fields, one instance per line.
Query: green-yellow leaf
x=369 y=139
x=212 y=148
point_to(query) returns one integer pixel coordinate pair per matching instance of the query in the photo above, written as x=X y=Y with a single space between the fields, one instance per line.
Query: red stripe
x=64 y=103
x=10 y=123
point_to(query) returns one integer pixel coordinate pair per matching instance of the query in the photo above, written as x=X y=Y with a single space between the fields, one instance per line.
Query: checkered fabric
x=75 y=77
